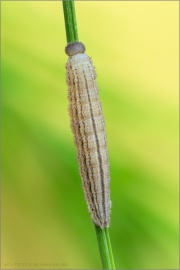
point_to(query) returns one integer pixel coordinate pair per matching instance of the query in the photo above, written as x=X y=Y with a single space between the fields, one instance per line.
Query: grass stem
x=105 y=249
x=70 y=20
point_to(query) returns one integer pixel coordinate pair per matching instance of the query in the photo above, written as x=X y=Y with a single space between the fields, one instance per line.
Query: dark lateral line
x=83 y=146
x=99 y=155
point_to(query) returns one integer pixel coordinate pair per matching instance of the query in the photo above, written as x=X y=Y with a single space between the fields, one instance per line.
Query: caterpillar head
x=74 y=48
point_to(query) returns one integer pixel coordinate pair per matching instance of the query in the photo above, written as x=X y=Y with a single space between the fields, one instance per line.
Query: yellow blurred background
x=45 y=222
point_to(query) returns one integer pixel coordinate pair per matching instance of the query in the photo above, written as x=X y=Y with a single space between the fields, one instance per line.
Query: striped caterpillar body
x=88 y=127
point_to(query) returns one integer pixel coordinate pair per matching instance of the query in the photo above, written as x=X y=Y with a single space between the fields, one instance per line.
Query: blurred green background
x=45 y=222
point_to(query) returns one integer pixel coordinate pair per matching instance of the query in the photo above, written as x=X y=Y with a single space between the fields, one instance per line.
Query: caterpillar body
x=88 y=127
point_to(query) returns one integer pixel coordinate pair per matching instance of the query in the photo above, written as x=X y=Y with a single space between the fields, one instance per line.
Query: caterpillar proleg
x=88 y=127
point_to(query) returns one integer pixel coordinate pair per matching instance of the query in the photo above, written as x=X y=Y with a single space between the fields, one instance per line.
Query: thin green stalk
x=110 y=248
x=102 y=234
x=105 y=249
x=70 y=20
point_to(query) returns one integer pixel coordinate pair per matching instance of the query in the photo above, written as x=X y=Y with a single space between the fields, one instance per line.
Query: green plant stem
x=70 y=20
x=110 y=248
x=102 y=234
x=105 y=248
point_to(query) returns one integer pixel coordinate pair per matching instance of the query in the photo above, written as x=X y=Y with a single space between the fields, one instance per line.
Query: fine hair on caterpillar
x=88 y=127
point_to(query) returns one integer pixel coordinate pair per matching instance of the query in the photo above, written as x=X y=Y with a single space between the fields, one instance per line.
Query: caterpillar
x=88 y=127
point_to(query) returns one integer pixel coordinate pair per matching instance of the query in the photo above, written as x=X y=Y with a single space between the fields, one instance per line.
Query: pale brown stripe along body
x=88 y=127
